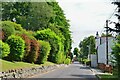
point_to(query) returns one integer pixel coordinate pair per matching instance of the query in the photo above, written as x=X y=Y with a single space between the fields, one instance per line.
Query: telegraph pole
x=107 y=40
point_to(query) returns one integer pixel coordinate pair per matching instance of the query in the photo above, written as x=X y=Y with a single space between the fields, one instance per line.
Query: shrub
x=33 y=54
x=67 y=61
x=86 y=61
x=8 y=28
x=1 y=35
x=55 y=41
x=17 y=46
x=4 y=49
x=27 y=44
x=44 y=51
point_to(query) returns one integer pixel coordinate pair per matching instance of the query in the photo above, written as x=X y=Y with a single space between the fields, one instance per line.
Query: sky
x=86 y=17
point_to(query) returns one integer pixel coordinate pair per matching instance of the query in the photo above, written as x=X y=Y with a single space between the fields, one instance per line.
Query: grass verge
x=7 y=65
x=106 y=77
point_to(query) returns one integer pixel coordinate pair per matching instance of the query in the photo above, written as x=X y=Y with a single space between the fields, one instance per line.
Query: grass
x=7 y=65
x=107 y=77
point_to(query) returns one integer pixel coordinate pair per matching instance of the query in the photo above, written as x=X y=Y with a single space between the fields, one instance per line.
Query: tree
x=116 y=53
x=31 y=15
x=117 y=25
x=62 y=24
x=76 y=51
x=87 y=46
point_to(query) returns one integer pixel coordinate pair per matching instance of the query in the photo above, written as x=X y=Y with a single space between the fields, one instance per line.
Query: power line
x=112 y=13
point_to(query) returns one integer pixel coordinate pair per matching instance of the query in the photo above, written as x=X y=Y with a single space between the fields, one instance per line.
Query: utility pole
x=107 y=40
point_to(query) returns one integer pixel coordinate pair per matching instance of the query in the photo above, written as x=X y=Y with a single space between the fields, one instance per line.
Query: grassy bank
x=7 y=65
x=107 y=77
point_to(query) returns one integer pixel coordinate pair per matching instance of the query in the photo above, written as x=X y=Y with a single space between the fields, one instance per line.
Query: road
x=75 y=70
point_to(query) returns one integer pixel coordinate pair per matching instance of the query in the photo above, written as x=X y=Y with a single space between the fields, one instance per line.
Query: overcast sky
x=86 y=16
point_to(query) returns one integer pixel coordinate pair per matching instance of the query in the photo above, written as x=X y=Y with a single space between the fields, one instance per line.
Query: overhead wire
x=108 y=19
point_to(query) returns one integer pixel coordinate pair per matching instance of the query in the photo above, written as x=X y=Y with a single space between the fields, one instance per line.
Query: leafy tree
x=39 y=16
x=76 y=51
x=87 y=46
x=59 y=20
x=116 y=53
x=31 y=15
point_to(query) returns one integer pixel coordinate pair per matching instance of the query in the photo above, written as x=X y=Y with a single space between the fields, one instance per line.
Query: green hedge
x=4 y=49
x=8 y=28
x=27 y=44
x=17 y=46
x=55 y=42
x=44 y=51
x=67 y=61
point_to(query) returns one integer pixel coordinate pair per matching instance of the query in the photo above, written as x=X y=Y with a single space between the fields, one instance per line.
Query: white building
x=102 y=56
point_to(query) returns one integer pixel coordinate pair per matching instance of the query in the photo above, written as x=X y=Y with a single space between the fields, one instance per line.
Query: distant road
x=75 y=70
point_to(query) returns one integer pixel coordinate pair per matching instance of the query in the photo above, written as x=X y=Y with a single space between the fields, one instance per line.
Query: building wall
x=93 y=60
x=101 y=49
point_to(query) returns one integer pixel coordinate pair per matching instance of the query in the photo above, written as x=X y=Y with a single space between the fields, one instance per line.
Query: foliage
x=61 y=23
x=27 y=44
x=38 y=16
x=31 y=15
x=86 y=61
x=34 y=52
x=87 y=46
x=76 y=51
x=4 y=49
x=7 y=28
x=104 y=35
x=17 y=46
x=116 y=53
x=54 y=40
x=2 y=35
x=44 y=51
x=67 y=61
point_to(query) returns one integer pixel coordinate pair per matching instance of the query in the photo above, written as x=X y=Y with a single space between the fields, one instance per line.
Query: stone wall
x=27 y=72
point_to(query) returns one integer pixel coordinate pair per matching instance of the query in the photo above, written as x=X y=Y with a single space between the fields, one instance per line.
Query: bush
x=67 y=61
x=4 y=49
x=8 y=28
x=44 y=51
x=55 y=41
x=17 y=46
x=33 y=54
x=27 y=44
x=1 y=35
x=86 y=61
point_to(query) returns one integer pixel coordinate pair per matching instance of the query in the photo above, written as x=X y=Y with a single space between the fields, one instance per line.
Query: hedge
x=8 y=29
x=44 y=51
x=4 y=49
x=57 y=48
x=67 y=61
x=27 y=44
x=34 y=52
x=17 y=46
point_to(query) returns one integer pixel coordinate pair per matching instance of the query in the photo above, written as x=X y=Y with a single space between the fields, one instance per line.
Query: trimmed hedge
x=57 y=48
x=27 y=44
x=4 y=49
x=8 y=28
x=44 y=51
x=17 y=46
x=67 y=61
x=34 y=52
